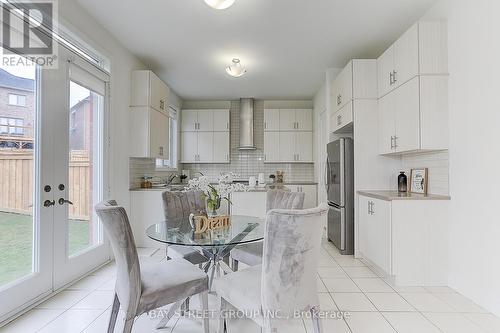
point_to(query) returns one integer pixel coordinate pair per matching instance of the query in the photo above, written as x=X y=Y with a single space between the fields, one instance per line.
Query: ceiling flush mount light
x=236 y=70
x=220 y=4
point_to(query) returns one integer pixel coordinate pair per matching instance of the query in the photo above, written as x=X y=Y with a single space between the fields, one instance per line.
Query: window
x=171 y=163
x=15 y=99
x=11 y=126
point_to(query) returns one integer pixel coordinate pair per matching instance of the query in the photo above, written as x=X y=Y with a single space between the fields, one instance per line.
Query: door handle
x=48 y=203
x=62 y=201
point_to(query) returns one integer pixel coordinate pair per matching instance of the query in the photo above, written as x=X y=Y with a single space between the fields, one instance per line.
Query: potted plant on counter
x=215 y=193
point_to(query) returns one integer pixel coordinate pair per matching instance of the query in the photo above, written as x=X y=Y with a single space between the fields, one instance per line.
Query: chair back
x=291 y=250
x=280 y=199
x=128 y=277
x=179 y=204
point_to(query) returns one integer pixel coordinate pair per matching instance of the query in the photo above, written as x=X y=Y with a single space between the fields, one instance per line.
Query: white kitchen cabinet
x=271 y=120
x=221 y=120
x=205 y=120
x=287 y=146
x=387 y=123
x=304 y=119
x=271 y=147
x=221 y=147
x=189 y=120
x=358 y=80
x=189 y=151
x=147 y=89
x=251 y=203
x=414 y=117
x=205 y=136
x=385 y=69
x=310 y=194
x=404 y=240
x=375 y=232
x=288 y=120
x=205 y=147
x=342 y=87
x=288 y=136
x=421 y=50
x=149 y=133
x=342 y=120
x=304 y=142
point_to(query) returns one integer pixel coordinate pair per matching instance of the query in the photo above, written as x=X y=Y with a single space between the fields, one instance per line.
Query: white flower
x=224 y=188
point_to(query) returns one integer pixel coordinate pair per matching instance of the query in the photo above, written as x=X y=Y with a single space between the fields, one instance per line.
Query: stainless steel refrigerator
x=340 y=192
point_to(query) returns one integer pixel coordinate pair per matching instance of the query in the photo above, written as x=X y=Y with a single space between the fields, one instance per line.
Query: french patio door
x=52 y=173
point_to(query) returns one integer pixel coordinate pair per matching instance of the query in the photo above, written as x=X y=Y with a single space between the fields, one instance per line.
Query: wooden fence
x=16 y=183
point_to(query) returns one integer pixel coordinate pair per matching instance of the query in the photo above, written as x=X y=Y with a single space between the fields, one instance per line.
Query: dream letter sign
x=203 y=223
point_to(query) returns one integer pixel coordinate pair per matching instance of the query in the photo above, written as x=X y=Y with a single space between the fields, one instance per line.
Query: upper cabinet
x=288 y=120
x=358 y=80
x=413 y=88
x=419 y=51
x=149 y=90
x=149 y=119
x=288 y=136
x=205 y=136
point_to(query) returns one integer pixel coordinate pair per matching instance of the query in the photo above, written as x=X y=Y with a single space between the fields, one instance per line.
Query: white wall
x=474 y=53
x=122 y=63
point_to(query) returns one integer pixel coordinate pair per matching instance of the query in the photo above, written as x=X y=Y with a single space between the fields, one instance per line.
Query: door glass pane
x=85 y=160
x=17 y=171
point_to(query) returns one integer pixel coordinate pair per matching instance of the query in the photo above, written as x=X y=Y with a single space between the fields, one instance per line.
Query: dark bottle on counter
x=402 y=182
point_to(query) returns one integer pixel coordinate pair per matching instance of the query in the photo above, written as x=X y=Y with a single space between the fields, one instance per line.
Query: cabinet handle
x=390 y=79
x=162 y=104
x=395 y=142
x=394 y=78
x=265 y=125
x=298 y=127
x=339 y=120
x=392 y=142
x=373 y=205
x=160 y=151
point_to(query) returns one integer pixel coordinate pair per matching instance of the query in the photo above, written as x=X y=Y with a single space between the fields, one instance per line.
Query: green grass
x=16 y=244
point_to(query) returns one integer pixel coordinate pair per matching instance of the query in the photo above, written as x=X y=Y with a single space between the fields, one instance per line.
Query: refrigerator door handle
x=342 y=229
x=327 y=176
x=342 y=172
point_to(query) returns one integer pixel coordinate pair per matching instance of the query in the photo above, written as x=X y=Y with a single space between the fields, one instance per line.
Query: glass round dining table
x=214 y=244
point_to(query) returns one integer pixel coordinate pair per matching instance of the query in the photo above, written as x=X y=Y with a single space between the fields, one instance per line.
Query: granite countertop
x=254 y=189
x=390 y=195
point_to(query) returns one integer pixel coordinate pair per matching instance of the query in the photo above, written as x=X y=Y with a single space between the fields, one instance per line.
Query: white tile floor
x=344 y=283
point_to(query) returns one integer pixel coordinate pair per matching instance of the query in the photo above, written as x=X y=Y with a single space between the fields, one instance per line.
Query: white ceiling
x=286 y=45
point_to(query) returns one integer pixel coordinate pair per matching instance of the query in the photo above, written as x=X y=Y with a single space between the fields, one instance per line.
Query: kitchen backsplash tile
x=438 y=165
x=243 y=163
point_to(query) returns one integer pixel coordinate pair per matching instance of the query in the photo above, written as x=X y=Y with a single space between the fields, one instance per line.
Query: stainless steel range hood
x=246 y=124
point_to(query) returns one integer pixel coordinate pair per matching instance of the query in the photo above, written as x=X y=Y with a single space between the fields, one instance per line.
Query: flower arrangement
x=214 y=194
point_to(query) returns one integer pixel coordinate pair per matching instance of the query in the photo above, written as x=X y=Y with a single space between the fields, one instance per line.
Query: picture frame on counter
x=419 y=180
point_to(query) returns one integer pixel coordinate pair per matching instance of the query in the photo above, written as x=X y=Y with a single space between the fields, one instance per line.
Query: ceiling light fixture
x=236 y=70
x=220 y=4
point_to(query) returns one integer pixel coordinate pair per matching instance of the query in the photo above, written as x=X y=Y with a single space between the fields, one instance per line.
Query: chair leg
x=205 y=312
x=128 y=325
x=234 y=264
x=114 y=314
x=185 y=307
x=316 y=321
x=222 y=319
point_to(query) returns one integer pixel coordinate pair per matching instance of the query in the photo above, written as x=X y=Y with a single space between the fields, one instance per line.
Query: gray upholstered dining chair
x=141 y=287
x=285 y=282
x=177 y=205
x=251 y=254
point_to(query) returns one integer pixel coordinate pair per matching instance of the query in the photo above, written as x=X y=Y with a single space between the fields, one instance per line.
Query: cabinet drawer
x=342 y=118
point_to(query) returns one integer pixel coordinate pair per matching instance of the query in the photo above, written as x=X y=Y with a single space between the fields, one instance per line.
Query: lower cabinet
x=405 y=240
x=146 y=208
x=375 y=232
x=252 y=203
